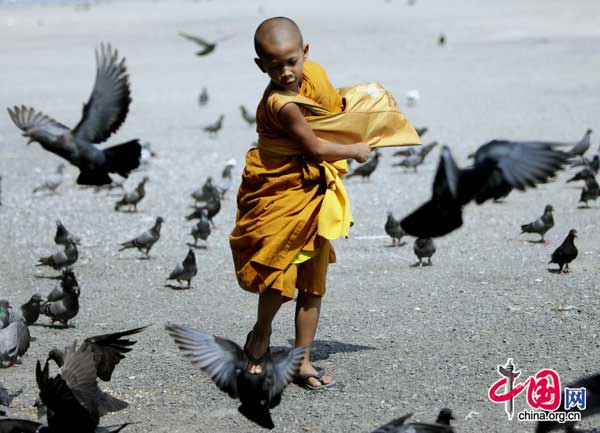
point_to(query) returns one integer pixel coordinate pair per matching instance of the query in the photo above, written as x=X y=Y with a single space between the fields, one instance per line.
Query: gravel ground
x=397 y=339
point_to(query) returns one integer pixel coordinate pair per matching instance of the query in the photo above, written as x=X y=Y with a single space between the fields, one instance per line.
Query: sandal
x=302 y=381
x=254 y=360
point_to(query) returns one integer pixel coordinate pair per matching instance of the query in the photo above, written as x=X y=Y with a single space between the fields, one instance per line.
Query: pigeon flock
x=71 y=400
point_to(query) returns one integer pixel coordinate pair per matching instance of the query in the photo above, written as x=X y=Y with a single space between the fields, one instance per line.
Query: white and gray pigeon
x=424 y=248
x=132 y=198
x=61 y=259
x=67 y=307
x=62 y=235
x=582 y=146
x=542 y=224
x=14 y=337
x=185 y=270
x=146 y=240
x=394 y=230
x=52 y=181
x=202 y=229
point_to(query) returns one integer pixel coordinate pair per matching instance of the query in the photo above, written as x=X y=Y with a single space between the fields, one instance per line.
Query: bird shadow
x=554 y=271
x=585 y=207
x=539 y=242
x=52 y=325
x=48 y=277
x=401 y=244
x=323 y=349
x=198 y=247
x=175 y=287
x=420 y=265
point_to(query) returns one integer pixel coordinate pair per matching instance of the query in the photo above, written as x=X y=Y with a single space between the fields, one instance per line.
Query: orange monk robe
x=286 y=202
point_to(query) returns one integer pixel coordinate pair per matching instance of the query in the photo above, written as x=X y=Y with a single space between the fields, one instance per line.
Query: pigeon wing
x=108 y=104
x=218 y=357
x=79 y=373
x=109 y=350
x=285 y=370
x=18 y=425
x=195 y=39
x=393 y=425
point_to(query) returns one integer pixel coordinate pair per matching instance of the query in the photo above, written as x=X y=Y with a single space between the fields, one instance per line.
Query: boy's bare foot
x=307 y=369
x=255 y=348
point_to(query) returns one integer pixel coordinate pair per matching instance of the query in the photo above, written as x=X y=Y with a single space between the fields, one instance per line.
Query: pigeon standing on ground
x=424 y=248
x=399 y=425
x=590 y=191
x=592 y=406
x=206 y=47
x=185 y=270
x=67 y=307
x=412 y=161
x=366 y=170
x=31 y=309
x=146 y=240
x=62 y=235
x=497 y=164
x=14 y=337
x=422 y=150
x=583 y=174
x=202 y=229
x=103 y=114
x=393 y=229
x=442 y=39
x=227 y=365
x=542 y=224
x=132 y=198
x=6 y=399
x=582 y=146
x=53 y=181
x=566 y=252
x=108 y=350
x=203 y=97
x=212 y=207
x=249 y=118
x=226 y=178
x=213 y=128
x=205 y=192
x=61 y=259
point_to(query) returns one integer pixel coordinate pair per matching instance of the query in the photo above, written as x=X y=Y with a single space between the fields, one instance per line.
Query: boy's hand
x=362 y=151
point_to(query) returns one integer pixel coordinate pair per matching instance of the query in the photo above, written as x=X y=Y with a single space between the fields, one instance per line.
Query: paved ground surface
x=396 y=338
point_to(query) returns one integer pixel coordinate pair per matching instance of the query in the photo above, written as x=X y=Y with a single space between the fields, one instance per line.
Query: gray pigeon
x=108 y=350
x=63 y=235
x=61 y=259
x=249 y=118
x=146 y=240
x=132 y=198
x=212 y=207
x=6 y=399
x=14 y=338
x=582 y=146
x=186 y=270
x=590 y=191
x=31 y=309
x=542 y=224
x=399 y=425
x=53 y=181
x=422 y=151
x=202 y=229
x=366 y=170
x=393 y=229
x=206 y=192
x=412 y=161
x=213 y=128
x=203 y=97
x=424 y=248
x=227 y=365
x=102 y=116
x=67 y=307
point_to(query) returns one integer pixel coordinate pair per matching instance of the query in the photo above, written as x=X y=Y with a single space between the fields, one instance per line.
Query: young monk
x=291 y=201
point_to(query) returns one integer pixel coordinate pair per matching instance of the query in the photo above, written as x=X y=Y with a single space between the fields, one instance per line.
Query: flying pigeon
x=227 y=365
x=497 y=163
x=206 y=47
x=213 y=128
x=542 y=224
x=146 y=240
x=424 y=248
x=132 y=198
x=249 y=118
x=53 y=181
x=566 y=252
x=103 y=114
x=185 y=270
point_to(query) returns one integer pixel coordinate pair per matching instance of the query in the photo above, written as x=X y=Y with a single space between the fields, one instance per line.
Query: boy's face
x=283 y=63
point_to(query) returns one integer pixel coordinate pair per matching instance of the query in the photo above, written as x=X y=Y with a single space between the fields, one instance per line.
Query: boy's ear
x=258 y=62
x=305 y=49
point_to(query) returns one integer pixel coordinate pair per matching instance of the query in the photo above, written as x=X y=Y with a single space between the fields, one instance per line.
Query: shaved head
x=276 y=31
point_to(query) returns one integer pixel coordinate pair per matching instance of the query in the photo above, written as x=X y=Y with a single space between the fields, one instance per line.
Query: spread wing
x=218 y=357
x=79 y=373
x=393 y=425
x=17 y=425
x=108 y=105
x=285 y=370
x=109 y=350
x=196 y=39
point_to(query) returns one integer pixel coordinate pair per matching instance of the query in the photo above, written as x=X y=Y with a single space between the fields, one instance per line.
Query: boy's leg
x=308 y=310
x=268 y=306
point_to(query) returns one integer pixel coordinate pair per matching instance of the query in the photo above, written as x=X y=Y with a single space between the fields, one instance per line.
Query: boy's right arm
x=298 y=129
